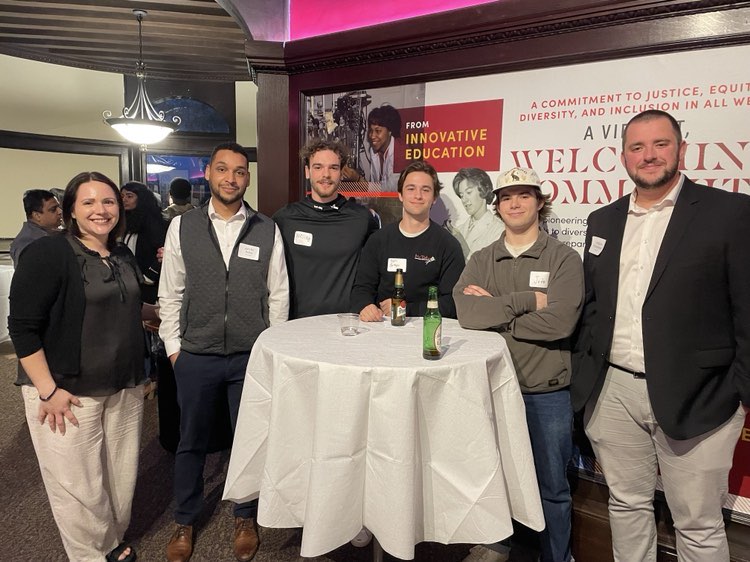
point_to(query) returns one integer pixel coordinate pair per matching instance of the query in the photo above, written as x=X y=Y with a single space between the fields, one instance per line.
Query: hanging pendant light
x=140 y=122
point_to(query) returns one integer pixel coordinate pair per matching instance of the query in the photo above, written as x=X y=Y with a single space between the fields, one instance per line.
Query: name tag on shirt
x=539 y=279
x=597 y=245
x=397 y=263
x=303 y=238
x=248 y=252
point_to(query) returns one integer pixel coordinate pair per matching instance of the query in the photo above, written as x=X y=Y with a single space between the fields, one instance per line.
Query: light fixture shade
x=141 y=131
x=141 y=123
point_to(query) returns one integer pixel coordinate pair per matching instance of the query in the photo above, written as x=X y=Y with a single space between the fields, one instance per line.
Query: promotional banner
x=566 y=123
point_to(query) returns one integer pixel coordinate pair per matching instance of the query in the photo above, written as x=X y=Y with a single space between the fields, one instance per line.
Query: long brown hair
x=69 y=200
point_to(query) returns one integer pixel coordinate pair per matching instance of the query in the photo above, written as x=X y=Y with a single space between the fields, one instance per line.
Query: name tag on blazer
x=597 y=245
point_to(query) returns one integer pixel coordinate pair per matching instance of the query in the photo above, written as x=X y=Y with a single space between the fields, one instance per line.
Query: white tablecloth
x=336 y=433
x=6 y=274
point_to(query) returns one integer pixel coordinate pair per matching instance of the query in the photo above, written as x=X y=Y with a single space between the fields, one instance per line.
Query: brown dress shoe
x=245 y=539
x=180 y=546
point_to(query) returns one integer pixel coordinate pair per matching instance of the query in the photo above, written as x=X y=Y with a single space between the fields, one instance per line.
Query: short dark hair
x=386 y=116
x=650 y=114
x=315 y=146
x=69 y=200
x=420 y=166
x=477 y=177
x=180 y=190
x=233 y=146
x=34 y=200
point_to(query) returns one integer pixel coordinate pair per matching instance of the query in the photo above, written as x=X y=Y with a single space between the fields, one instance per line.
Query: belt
x=636 y=374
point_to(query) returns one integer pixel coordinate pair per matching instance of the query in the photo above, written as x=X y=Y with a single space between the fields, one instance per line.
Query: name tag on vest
x=248 y=252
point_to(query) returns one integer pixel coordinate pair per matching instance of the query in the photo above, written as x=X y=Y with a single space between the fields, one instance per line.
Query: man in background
x=43 y=216
x=323 y=235
x=179 y=191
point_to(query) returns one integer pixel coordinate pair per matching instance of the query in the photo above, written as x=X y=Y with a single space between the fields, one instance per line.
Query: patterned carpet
x=29 y=533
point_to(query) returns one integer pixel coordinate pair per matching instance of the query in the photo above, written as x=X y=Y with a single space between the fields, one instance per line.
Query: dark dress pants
x=202 y=382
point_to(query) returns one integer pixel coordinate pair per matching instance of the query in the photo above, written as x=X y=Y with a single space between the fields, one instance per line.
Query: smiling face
x=471 y=199
x=519 y=208
x=379 y=137
x=417 y=195
x=652 y=154
x=129 y=199
x=96 y=210
x=324 y=173
x=228 y=178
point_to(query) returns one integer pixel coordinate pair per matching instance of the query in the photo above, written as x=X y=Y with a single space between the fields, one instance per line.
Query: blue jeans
x=550 y=419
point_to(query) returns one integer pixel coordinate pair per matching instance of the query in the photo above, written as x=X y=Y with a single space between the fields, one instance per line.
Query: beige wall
x=30 y=169
x=73 y=108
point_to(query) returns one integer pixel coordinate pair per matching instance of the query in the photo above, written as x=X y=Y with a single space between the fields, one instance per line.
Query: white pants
x=632 y=449
x=90 y=472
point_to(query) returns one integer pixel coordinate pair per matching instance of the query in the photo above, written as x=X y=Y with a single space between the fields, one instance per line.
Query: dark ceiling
x=183 y=39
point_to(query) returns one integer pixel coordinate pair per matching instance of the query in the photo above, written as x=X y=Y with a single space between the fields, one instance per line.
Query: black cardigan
x=47 y=303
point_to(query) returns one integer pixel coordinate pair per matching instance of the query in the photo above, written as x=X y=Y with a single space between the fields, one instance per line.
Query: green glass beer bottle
x=398 y=301
x=432 y=326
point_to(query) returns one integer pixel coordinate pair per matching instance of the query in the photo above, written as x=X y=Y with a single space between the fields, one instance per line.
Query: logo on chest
x=425 y=259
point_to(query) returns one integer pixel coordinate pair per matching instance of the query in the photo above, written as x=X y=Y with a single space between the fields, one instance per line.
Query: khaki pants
x=90 y=472
x=631 y=448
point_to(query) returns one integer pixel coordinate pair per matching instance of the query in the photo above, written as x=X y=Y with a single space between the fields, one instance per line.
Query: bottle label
x=437 y=337
x=401 y=309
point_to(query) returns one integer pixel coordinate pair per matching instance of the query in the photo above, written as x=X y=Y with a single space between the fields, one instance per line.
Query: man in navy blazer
x=662 y=362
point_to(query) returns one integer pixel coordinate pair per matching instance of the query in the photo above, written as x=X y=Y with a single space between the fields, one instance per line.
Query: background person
x=180 y=191
x=482 y=227
x=427 y=254
x=43 y=216
x=75 y=322
x=145 y=231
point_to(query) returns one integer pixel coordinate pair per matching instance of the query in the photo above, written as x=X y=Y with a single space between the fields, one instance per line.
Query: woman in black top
x=75 y=324
x=145 y=230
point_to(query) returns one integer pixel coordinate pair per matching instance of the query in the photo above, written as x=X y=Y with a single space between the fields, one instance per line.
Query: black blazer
x=696 y=316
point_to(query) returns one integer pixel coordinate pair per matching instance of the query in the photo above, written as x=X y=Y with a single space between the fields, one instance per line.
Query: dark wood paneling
x=273 y=113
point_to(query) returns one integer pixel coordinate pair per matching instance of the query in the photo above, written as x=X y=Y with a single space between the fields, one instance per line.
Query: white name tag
x=539 y=279
x=303 y=238
x=597 y=245
x=248 y=252
x=397 y=263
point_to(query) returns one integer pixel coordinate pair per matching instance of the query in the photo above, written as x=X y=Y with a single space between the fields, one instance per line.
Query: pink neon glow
x=309 y=18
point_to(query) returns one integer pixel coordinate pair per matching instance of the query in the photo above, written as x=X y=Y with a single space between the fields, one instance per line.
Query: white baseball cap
x=517 y=176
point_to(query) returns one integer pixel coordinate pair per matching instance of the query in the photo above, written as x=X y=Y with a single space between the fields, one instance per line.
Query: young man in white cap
x=529 y=287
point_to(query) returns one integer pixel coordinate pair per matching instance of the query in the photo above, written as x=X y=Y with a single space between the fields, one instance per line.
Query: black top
x=48 y=304
x=322 y=243
x=432 y=258
x=112 y=344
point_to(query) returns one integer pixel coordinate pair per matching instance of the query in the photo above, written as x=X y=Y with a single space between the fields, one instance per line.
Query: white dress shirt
x=172 y=281
x=641 y=240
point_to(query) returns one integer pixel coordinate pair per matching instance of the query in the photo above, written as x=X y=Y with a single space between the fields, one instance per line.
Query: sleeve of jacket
x=451 y=269
x=365 y=289
x=482 y=313
x=559 y=318
x=738 y=264
x=35 y=286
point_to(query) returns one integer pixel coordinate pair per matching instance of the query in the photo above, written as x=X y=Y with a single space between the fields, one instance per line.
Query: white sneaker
x=481 y=553
x=362 y=539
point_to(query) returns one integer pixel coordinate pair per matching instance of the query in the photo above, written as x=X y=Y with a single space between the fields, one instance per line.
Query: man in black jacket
x=323 y=235
x=663 y=358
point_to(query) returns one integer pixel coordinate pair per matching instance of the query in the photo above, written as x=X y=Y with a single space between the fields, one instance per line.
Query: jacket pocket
x=714 y=357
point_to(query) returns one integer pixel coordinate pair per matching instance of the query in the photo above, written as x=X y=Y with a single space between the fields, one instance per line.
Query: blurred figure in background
x=43 y=216
x=145 y=231
x=179 y=191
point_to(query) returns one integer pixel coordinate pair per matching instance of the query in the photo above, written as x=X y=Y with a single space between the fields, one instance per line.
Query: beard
x=660 y=181
x=216 y=192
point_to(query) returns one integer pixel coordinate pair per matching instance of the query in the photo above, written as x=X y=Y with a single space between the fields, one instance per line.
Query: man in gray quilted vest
x=223 y=282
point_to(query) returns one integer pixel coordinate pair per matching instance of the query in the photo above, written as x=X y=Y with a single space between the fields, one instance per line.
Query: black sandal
x=114 y=556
